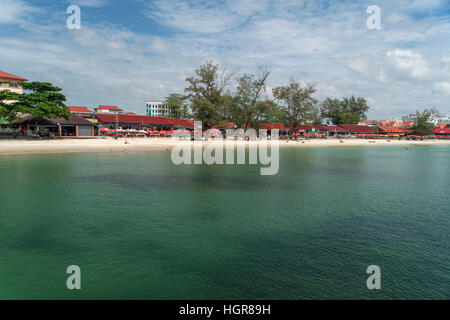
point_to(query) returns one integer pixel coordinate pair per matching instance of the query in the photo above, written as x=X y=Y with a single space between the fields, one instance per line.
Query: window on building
x=13 y=85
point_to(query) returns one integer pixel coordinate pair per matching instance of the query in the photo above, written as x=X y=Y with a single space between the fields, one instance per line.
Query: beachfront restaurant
x=442 y=133
x=354 y=129
x=395 y=132
x=75 y=126
x=135 y=122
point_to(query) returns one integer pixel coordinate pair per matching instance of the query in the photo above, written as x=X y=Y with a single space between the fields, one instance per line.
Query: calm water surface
x=142 y=228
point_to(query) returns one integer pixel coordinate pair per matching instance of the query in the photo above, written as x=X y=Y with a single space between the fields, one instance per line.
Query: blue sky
x=130 y=51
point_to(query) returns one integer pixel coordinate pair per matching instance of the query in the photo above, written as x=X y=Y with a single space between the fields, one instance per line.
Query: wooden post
x=76 y=131
x=60 y=130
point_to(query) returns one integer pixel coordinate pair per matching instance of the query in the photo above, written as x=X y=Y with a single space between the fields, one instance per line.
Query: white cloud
x=193 y=16
x=409 y=63
x=425 y=4
x=443 y=87
x=13 y=11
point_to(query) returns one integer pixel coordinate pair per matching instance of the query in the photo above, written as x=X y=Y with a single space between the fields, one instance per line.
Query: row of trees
x=212 y=102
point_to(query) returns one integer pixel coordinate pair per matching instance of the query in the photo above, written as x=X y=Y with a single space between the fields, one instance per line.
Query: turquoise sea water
x=141 y=228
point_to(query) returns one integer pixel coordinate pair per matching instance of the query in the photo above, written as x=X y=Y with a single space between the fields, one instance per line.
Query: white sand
x=149 y=144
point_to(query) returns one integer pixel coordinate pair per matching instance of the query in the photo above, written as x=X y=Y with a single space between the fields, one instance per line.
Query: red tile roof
x=354 y=128
x=405 y=123
x=181 y=123
x=442 y=131
x=115 y=108
x=130 y=119
x=328 y=128
x=79 y=109
x=390 y=129
x=10 y=76
x=273 y=126
x=442 y=125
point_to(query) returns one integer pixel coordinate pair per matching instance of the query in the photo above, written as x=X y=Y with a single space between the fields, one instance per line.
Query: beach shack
x=75 y=126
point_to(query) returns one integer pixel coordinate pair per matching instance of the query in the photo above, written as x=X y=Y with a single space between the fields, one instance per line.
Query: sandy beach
x=148 y=144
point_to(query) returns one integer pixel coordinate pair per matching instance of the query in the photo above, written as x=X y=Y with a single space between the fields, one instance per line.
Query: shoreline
x=17 y=147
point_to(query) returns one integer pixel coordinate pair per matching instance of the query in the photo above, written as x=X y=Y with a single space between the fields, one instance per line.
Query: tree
x=422 y=125
x=298 y=104
x=275 y=114
x=42 y=100
x=249 y=102
x=206 y=91
x=346 y=111
x=177 y=106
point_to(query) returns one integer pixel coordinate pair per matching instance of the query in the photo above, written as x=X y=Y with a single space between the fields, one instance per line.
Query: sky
x=127 y=52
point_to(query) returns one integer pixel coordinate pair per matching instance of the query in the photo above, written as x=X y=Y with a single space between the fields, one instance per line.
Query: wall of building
x=13 y=86
x=156 y=109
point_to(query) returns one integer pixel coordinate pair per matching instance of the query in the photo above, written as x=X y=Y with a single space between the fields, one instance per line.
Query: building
x=75 y=126
x=14 y=82
x=156 y=109
x=435 y=120
x=108 y=109
x=354 y=128
x=122 y=121
x=393 y=130
x=80 y=111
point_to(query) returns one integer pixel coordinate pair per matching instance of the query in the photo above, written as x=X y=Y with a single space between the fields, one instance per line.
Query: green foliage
x=275 y=114
x=43 y=99
x=299 y=106
x=206 y=91
x=177 y=106
x=422 y=125
x=249 y=106
x=346 y=111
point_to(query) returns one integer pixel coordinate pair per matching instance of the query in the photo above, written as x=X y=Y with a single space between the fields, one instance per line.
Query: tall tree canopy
x=422 y=125
x=346 y=111
x=250 y=104
x=206 y=91
x=42 y=99
x=298 y=102
x=177 y=106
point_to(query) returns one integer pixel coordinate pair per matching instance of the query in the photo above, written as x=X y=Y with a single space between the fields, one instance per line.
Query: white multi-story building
x=156 y=109
x=433 y=119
